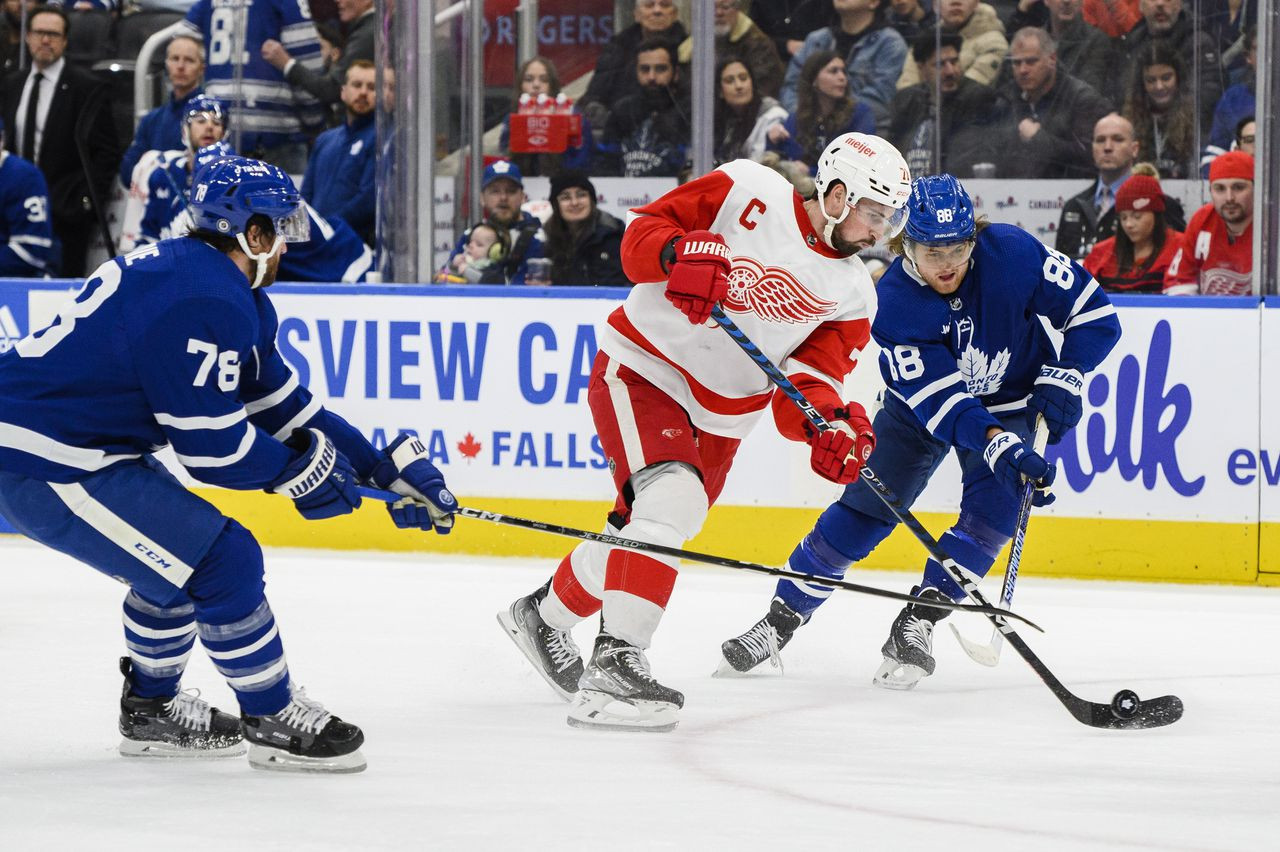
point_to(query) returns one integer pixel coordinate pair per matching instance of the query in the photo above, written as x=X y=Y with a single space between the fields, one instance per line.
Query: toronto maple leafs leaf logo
x=773 y=294
x=983 y=375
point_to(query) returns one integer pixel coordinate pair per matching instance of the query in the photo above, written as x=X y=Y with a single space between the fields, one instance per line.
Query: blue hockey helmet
x=203 y=104
x=940 y=211
x=227 y=192
x=209 y=153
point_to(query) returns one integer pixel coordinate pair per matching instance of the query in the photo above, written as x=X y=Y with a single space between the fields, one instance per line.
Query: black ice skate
x=908 y=652
x=553 y=652
x=762 y=642
x=182 y=726
x=303 y=737
x=618 y=693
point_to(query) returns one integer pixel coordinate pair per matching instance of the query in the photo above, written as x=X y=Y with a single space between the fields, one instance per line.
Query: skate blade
x=726 y=670
x=277 y=760
x=151 y=748
x=604 y=712
x=514 y=633
x=895 y=675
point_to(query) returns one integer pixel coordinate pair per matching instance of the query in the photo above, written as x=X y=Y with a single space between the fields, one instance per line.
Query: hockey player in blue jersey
x=332 y=252
x=27 y=245
x=968 y=364
x=175 y=344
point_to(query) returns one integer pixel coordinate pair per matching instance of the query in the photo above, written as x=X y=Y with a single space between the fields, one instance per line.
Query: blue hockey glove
x=1056 y=395
x=320 y=480
x=1012 y=461
x=427 y=503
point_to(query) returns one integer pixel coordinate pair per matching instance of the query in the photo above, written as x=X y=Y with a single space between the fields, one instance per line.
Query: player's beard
x=848 y=247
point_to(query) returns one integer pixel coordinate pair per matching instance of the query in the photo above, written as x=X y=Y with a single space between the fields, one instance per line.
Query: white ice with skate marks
x=468 y=747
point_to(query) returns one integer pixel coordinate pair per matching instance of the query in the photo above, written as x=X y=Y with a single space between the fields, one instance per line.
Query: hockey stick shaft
x=1159 y=711
x=693 y=556
x=989 y=654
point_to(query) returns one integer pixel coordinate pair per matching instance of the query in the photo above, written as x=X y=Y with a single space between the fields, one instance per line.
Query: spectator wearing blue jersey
x=503 y=194
x=27 y=247
x=339 y=182
x=825 y=109
x=326 y=83
x=274 y=121
x=965 y=370
x=161 y=128
x=175 y=345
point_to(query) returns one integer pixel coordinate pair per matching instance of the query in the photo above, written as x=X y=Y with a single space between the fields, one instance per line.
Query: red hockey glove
x=840 y=452
x=700 y=275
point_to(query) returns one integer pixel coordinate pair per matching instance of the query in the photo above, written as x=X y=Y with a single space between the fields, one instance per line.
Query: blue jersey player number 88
x=982 y=328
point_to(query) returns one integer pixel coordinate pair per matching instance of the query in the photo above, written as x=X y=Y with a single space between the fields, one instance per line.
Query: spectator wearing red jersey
x=1216 y=255
x=1135 y=259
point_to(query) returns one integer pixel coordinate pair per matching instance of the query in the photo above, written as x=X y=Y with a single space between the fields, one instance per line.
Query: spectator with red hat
x=1216 y=255
x=1135 y=259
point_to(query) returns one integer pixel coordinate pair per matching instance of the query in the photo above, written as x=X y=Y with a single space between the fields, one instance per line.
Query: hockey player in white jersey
x=175 y=344
x=672 y=395
x=962 y=292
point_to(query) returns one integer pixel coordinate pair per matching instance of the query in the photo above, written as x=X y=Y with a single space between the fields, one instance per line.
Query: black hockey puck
x=1124 y=705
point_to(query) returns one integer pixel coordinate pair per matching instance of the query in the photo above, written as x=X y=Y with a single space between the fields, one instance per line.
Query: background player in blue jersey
x=175 y=344
x=332 y=251
x=968 y=363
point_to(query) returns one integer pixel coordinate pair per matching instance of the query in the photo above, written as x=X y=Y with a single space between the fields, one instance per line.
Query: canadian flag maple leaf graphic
x=469 y=447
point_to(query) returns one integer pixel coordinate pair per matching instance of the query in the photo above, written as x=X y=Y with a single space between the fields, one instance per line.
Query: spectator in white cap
x=502 y=193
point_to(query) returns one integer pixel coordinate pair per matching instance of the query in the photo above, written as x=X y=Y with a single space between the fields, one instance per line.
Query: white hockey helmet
x=868 y=167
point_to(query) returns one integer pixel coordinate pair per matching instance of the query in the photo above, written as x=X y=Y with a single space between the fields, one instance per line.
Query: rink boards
x=1168 y=477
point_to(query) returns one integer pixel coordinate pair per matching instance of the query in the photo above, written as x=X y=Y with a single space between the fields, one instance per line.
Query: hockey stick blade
x=984 y=654
x=1125 y=712
x=695 y=556
x=1130 y=713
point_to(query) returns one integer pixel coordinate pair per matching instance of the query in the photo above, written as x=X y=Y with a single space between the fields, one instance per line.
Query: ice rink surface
x=468 y=748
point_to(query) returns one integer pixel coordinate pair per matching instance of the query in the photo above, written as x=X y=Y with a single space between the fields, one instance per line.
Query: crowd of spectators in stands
x=1121 y=93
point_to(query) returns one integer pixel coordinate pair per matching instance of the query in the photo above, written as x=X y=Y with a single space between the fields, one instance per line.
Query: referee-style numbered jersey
x=807 y=308
x=165 y=345
x=957 y=360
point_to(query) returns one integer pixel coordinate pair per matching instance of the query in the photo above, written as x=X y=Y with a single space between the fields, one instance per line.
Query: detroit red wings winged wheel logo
x=772 y=294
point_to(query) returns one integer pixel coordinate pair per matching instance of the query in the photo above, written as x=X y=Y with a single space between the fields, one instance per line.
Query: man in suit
x=61 y=121
x=1090 y=216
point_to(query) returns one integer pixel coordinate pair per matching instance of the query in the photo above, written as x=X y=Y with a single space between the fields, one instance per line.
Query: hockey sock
x=249 y=654
x=159 y=639
x=571 y=598
x=235 y=622
x=636 y=587
x=973 y=555
x=841 y=537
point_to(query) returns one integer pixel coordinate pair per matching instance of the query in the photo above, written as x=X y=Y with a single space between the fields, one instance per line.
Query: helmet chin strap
x=260 y=260
x=831 y=221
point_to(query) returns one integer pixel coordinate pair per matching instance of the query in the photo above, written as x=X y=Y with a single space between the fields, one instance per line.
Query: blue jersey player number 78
x=175 y=344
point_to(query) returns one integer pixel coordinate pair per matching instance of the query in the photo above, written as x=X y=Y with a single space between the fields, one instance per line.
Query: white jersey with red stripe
x=807 y=308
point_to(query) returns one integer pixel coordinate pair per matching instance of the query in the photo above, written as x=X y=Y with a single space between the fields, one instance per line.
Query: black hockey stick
x=695 y=556
x=1125 y=710
x=989 y=654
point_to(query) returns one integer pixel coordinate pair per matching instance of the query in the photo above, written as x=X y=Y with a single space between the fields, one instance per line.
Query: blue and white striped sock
x=250 y=656
x=159 y=640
